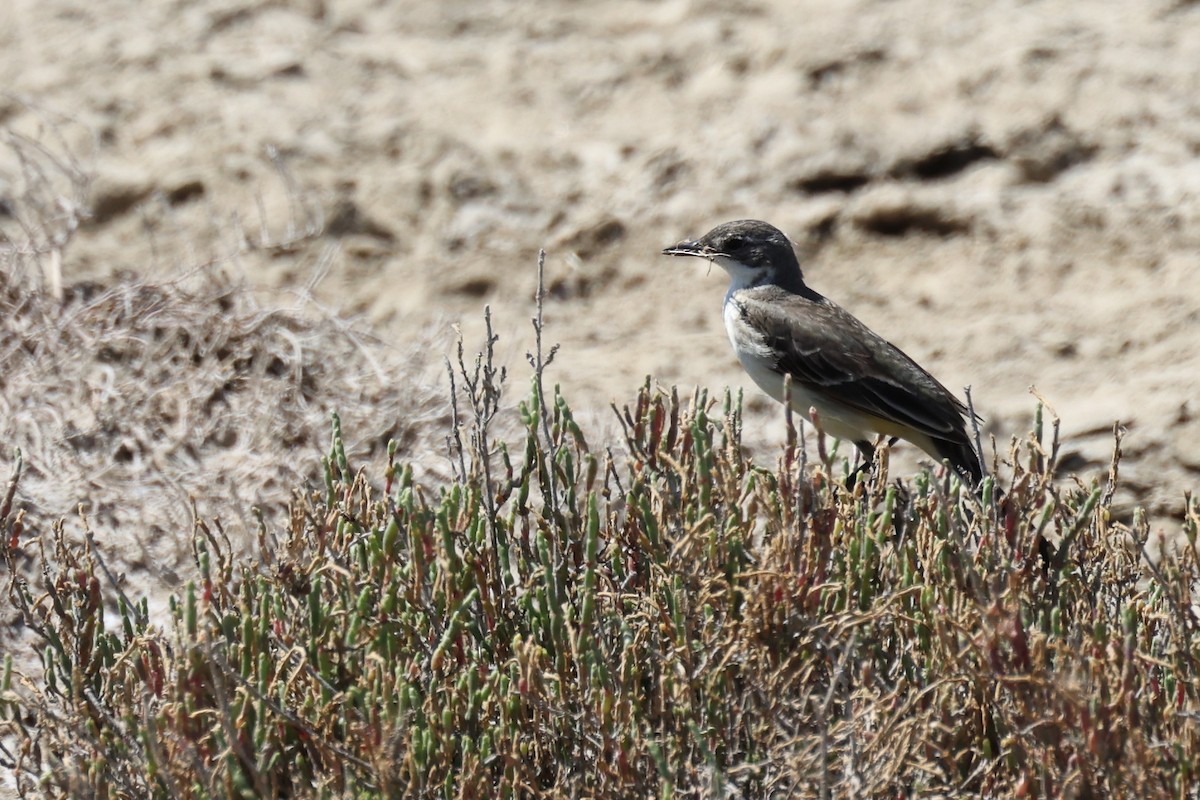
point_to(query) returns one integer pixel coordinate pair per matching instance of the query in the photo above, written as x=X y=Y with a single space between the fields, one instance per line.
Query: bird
x=858 y=383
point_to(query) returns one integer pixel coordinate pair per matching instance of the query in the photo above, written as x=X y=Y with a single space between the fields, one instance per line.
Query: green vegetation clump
x=661 y=616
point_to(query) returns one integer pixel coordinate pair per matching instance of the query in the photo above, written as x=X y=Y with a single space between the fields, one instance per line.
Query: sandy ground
x=1009 y=191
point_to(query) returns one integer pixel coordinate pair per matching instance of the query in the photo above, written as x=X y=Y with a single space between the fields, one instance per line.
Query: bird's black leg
x=868 y=462
x=868 y=459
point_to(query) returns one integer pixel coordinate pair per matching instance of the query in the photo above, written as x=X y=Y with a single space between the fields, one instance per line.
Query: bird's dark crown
x=750 y=242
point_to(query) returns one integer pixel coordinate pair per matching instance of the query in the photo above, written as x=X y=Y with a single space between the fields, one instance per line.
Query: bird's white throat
x=740 y=275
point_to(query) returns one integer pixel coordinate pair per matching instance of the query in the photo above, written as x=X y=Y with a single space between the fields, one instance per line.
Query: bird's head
x=752 y=252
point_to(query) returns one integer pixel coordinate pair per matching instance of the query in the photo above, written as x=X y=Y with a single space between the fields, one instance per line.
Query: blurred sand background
x=1008 y=191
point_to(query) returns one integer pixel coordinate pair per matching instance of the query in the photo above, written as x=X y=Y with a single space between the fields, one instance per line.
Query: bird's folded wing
x=823 y=347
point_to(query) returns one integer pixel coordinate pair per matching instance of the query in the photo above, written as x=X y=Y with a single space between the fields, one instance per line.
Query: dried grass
x=554 y=620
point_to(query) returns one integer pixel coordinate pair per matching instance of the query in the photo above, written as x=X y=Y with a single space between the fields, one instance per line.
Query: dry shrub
x=677 y=621
x=136 y=400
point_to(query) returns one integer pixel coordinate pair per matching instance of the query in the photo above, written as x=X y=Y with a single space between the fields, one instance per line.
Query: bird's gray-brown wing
x=826 y=349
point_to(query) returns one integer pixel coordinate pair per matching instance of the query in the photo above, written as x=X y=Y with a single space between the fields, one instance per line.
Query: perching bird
x=858 y=383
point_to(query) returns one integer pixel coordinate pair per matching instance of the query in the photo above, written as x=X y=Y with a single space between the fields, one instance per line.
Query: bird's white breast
x=755 y=356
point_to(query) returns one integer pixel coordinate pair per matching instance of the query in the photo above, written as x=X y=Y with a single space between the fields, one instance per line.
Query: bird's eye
x=733 y=243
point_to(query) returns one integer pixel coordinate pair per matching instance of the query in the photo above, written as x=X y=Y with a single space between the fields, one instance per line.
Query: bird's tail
x=962 y=456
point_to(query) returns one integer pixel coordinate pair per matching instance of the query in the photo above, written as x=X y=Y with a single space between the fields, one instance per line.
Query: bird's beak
x=689 y=248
